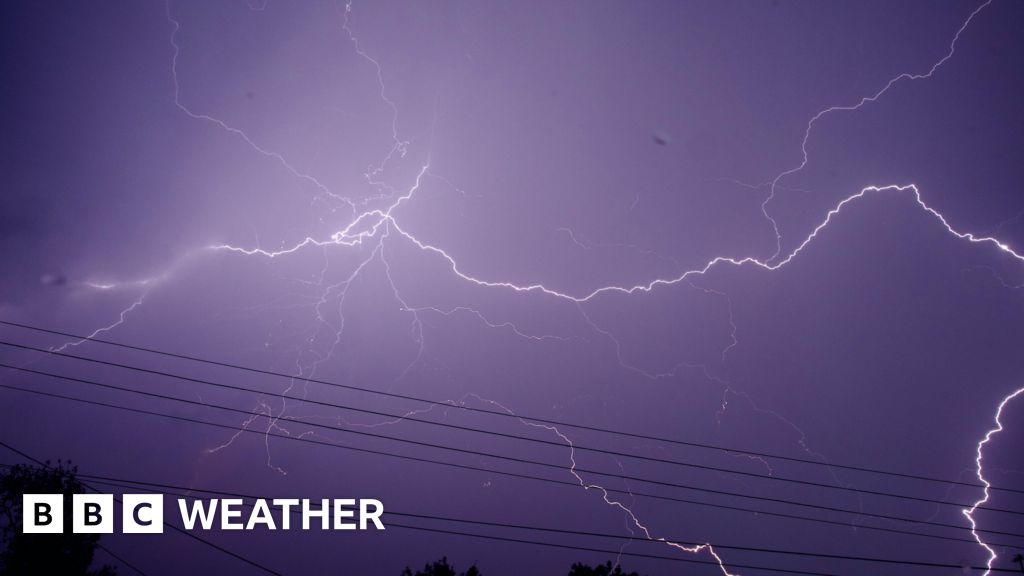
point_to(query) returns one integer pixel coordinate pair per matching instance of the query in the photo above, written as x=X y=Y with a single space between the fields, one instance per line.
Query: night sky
x=791 y=229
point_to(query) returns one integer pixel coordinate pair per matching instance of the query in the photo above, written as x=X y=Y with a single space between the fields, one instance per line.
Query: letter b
x=42 y=513
x=92 y=513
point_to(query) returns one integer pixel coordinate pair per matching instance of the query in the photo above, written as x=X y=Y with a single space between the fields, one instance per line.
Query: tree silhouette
x=26 y=554
x=440 y=568
x=580 y=569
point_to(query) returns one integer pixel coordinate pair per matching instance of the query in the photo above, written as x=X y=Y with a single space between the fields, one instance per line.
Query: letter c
x=135 y=514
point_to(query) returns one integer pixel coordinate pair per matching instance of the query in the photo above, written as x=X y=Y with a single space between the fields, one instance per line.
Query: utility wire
x=514 y=459
x=221 y=549
x=579 y=426
x=514 y=474
x=185 y=491
x=502 y=434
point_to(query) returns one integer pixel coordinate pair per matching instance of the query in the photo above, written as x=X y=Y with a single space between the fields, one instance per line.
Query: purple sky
x=468 y=202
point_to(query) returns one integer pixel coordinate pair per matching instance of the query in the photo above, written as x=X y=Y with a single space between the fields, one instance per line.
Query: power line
x=163 y=487
x=611 y=552
x=518 y=475
x=591 y=428
x=518 y=540
x=503 y=434
x=219 y=548
x=186 y=492
x=507 y=458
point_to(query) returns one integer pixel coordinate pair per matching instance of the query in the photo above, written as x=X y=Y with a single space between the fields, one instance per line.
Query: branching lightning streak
x=399 y=146
x=849 y=108
x=606 y=497
x=308 y=370
x=997 y=277
x=766 y=264
x=969 y=512
x=121 y=319
x=345 y=237
x=144 y=286
x=510 y=326
x=382 y=224
x=374 y=224
x=304 y=176
x=350 y=235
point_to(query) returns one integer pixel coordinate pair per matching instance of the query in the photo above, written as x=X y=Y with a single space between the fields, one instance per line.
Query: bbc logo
x=92 y=513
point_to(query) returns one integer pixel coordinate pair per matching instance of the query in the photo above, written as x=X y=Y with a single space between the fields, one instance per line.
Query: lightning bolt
x=280 y=159
x=343 y=238
x=399 y=146
x=979 y=469
x=805 y=156
x=606 y=497
x=121 y=319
